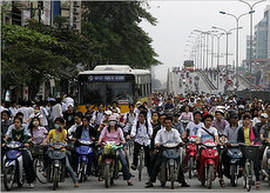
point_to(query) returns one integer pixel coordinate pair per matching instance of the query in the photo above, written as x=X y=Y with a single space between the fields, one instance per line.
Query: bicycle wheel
x=39 y=169
x=140 y=166
x=247 y=176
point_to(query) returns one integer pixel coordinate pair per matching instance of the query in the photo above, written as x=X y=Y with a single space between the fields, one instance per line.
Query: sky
x=176 y=19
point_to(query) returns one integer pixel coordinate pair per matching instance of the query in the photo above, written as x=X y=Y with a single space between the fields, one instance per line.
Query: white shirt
x=72 y=130
x=142 y=137
x=193 y=128
x=163 y=136
x=205 y=136
x=25 y=112
x=13 y=110
x=56 y=112
x=45 y=114
x=69 y=100
x=99 y=117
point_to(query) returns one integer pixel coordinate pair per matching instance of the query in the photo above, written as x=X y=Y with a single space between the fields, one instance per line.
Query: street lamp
x=251 y=39
x=207 y=33
x=227 y=32
x=237 y=31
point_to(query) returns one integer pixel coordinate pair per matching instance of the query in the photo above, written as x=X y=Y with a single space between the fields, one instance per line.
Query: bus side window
x=139 y=90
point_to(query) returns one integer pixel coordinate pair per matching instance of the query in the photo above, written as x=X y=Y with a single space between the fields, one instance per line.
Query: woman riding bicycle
x=248 y=135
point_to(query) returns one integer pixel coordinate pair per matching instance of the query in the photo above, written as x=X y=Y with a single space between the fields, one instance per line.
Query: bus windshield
x=106 y=92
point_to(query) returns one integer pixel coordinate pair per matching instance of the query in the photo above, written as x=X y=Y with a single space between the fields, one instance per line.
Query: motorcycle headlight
x=216 y=154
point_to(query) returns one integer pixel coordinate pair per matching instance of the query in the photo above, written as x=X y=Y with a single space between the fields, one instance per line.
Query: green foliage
x=114 y=26
x=28 y=56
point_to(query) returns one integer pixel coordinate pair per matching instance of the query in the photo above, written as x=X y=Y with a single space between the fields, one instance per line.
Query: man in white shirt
x=99 y=115
x=142 y=131
x=24 y=110
x=78 y=122
x=129 y=118
x=57 y=110
x=162 y=137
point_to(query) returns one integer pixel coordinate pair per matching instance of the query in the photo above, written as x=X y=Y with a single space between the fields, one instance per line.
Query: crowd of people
x=209 y=117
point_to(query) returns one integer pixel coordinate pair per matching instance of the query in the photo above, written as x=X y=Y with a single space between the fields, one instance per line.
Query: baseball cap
x=234 y=115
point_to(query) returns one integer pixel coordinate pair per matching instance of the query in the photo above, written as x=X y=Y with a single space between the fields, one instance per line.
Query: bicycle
x=141 y=162
x=250 y=152
x=39 y=166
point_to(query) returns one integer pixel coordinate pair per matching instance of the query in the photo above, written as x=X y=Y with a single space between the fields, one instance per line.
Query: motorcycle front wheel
x=107 y=175
x=55 y=178
x=190 y=167
x=172 y=178
x=9 y=176
x=234 y=175
x=210 y=175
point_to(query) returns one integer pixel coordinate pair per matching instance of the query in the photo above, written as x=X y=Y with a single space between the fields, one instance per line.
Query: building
x=261 y=38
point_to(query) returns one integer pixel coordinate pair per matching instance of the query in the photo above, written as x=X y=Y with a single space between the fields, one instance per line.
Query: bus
x=108 y=83
x=189 y=65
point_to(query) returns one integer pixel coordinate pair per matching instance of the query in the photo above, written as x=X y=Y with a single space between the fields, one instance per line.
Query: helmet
x=112 y=118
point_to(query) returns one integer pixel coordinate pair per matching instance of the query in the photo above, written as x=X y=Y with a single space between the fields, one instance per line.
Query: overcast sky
x=176 y=19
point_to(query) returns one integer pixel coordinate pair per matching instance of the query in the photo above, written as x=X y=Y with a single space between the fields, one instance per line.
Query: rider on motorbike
x=18 y=132
x=193 y=126
x=59 y=134
x=164 y=135
x=114 y=133
x=85 y=131
x=207 y=132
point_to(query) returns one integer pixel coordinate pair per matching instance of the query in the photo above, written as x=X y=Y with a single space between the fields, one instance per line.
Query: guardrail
x=209 y=84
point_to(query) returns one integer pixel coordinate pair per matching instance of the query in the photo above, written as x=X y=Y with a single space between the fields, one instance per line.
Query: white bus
x=108 y=83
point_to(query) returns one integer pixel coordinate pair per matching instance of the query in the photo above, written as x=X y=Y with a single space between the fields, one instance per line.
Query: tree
x=27 y=57
x=114 y=26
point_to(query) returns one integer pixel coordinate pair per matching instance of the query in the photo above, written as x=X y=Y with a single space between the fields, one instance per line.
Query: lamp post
x=200 y=47
x=205 y=54
x=227 y=32
x=237 y=32
x=218 y=57
x=251 y=39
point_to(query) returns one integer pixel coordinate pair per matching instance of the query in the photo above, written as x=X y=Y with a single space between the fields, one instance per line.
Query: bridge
x=208 y=82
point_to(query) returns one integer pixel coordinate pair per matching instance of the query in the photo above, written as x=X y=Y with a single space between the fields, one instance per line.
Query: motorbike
x=13 y=165
x=84 y=151
x=191 y=155
x=231 y=168
x=169 y=168
x=208 y=163
x=56 y=167
x=110 y=162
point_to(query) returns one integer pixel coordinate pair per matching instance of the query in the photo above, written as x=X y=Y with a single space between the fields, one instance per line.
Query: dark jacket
x=241 y=135
x=78 y=132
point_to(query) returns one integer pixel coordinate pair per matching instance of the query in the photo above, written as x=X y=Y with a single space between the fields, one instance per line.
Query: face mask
x=36 y=111
x=56 y=126
x=35 y=123
x=112 y=123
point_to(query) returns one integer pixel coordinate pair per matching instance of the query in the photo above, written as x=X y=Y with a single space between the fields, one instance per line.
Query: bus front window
x=106 y=92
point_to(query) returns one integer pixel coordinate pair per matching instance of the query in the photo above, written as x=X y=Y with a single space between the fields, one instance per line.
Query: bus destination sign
x=105 y=78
